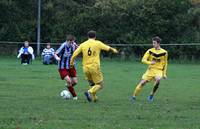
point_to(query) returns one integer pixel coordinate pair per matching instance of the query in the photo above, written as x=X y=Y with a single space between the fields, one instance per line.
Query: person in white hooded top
x=26 y=54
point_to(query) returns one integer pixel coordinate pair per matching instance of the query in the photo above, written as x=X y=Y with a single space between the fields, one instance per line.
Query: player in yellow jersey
x=90 y=50
x=156 y=58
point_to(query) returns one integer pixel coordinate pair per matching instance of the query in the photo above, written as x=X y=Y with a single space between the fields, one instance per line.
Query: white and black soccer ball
x=65 y=94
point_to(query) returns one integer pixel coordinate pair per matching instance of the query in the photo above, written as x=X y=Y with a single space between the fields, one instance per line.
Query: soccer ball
x=65 y=94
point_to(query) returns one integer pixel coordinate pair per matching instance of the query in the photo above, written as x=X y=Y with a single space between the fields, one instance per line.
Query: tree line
x=116 y=21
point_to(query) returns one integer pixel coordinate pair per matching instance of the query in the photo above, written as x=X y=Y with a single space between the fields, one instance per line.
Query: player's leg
x=138 y=89
x=64 y=74
x=147 y=76
x=94 y=89
x=89 y=95
x=69 y=86
x=98 y=86
x=91 y=83
x=97 y=78
x=89 y=78
x=155 y=88
x=156 y=85
x=74 y=81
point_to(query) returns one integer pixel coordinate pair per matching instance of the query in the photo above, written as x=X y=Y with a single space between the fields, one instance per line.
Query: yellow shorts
x=93 y=73
x=151 y=74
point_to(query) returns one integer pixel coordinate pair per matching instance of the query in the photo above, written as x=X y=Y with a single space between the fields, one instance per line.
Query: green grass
x=29 y=98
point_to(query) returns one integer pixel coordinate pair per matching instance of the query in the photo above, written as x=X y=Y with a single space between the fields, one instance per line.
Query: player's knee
x=69 y=84
x=157 y=81
x=68 y=80
x=91 y=83
x=143 y=82
x=74 y=83
x=100 y=84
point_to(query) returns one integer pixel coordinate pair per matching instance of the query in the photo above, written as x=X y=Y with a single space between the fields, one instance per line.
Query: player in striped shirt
x=63 y=56
x=48 y=54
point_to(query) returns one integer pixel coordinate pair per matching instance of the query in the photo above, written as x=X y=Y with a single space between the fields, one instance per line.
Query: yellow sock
x=93 y=92
x=95 y=98
x=94 y=89
x=137 y=90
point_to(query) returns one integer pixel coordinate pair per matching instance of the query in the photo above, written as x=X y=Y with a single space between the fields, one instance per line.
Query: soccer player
x=63 y=56
x=156 y=58
x=48 y=55
x=26 y=54
x=90 y=50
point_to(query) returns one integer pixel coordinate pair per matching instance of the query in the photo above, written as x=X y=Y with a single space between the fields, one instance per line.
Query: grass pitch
x=29 y=98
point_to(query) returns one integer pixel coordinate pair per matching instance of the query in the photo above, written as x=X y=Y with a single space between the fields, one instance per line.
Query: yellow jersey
x=91 y=52
x=160 y=56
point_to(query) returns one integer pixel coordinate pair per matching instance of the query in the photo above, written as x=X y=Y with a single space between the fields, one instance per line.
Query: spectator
x=48 y=55
x=26 y=54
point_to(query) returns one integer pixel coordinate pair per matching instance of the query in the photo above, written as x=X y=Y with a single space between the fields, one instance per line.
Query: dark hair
x=91 y=34
x=157 y=39
x=70 y=37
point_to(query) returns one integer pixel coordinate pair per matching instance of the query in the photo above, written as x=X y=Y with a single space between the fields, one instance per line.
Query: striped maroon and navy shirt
x=65 y=52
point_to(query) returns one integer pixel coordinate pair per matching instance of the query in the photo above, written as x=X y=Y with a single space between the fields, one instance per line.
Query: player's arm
x=107 y=48
x=58 y=51
x=145 y=59
x=113 y=50
x=165 y=66
x=56 y=56
x=75 y=54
